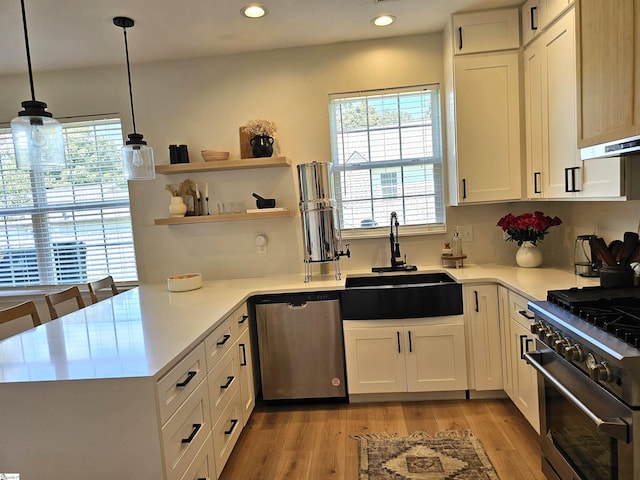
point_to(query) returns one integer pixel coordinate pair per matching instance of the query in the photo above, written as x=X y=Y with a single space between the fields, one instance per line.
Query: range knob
x=598 y=371
x=561 y=344
x=574 y=353
x=537 y=328
x=552 y=335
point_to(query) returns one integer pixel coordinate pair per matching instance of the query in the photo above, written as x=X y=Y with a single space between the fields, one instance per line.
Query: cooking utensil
x=628 y=247
x=264 y=202
x=602 y=250
x=615 y=247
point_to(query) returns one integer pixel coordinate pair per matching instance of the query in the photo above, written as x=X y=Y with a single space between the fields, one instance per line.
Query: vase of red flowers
x=528 y=229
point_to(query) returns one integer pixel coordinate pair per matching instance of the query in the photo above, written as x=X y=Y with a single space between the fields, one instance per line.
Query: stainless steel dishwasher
x=301 y=346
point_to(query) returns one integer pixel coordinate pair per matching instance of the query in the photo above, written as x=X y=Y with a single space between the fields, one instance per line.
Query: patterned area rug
x=448 y=455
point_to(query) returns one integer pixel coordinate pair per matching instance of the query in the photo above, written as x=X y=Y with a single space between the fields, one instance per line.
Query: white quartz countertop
x=142 y=332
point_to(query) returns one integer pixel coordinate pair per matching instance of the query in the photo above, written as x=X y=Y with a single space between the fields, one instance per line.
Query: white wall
x=202 y=102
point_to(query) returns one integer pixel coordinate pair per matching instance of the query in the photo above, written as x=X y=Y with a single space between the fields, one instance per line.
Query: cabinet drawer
x=185 y=432
x=227 y=430
x=220 y=341
x=519 y=311
x=181 y=380
x=486 y=31
x=203 y=466
x=241 y=316
x=224 y=381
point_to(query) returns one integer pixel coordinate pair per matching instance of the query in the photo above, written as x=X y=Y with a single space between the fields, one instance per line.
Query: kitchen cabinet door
x=247 y=388
x=505 y=340
x=525 y=379
x=534 y=124
x=525 y=391
x=375 y=359
x=561 y=156
x=486 y=31
x=487 y=113
x=483 y=320
x=552 y=9
x=435 y=358
x=608 y=57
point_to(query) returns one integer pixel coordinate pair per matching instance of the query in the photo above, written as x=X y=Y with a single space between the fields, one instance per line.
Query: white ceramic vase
x=177 y=208
x=529 y=255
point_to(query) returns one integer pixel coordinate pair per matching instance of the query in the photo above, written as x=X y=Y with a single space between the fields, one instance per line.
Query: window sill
x=383 y=232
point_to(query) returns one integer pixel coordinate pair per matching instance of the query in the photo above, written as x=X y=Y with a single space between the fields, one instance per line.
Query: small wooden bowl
x=214 y=155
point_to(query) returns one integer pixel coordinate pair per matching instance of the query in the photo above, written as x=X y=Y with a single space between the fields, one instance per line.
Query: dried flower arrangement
x=260 y=127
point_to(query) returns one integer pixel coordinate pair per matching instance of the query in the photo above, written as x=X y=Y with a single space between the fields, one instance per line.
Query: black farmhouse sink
x=427 y=294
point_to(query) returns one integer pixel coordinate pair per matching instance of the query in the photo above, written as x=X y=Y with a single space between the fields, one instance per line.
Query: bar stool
x=106 y=282
x=25 y=309
x=57 y=298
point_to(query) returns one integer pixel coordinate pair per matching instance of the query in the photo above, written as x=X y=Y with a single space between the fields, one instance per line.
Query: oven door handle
x=614 y=427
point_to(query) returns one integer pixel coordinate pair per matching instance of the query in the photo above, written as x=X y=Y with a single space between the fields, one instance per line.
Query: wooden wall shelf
x=227 y=217
x=223 y=165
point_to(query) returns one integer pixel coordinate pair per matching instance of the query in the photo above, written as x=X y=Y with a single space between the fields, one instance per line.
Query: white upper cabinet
x=554 y=167
x=552 y=9
x=487 y=123
x=486 y=31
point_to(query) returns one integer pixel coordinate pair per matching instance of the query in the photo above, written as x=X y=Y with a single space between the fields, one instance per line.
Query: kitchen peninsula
x=82 y=396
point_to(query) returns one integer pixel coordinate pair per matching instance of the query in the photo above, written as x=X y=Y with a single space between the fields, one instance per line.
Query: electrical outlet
x=465 y=233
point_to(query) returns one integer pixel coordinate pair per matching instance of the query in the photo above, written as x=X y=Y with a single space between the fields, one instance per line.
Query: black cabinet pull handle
x=573 y=179
x=526 y=315
x=243 y=319
x=398 y=334
x=194 y=432
x=410 y=342
x=464 y=188
x=186 y=381
x=475 y=292
x=536 y=187
x=566 y=180
x=229 y=380
x=243 y=363
x=526 y=345
x=224 y=340
x=234 y=422
x=533 y=26
x=459 y=38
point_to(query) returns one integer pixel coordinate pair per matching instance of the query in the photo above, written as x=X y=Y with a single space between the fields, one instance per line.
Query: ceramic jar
x=529 y=255
x=177 y=208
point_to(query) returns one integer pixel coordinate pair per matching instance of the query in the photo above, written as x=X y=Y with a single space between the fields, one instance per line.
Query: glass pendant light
x=137 y=157
x=37 y=136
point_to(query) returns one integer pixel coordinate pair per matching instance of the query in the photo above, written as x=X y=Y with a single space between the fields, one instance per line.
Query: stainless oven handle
x=614 y=427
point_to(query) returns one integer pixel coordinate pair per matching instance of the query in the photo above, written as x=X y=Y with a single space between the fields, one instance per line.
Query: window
x=67 y=226
x=386 y=154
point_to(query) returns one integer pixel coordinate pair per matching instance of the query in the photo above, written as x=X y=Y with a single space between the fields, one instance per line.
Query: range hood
x=611 y=149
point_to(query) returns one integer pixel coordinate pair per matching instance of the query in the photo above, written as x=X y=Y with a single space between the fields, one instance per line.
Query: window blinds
x=72 y=225
x=387 y=156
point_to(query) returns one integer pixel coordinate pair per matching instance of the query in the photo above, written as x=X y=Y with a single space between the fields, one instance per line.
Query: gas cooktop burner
x=616 y=311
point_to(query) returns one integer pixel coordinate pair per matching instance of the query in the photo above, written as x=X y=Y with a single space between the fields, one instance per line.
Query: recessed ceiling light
x=383 y=20
x=254 y=11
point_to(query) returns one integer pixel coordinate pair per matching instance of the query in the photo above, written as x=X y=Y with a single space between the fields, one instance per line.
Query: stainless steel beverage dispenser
x=322 y=241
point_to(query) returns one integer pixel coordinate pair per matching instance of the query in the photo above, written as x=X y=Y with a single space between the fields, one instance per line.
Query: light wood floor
x=305 y=442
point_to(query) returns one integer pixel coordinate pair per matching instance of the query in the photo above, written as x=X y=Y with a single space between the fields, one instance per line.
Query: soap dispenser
x=456 y=245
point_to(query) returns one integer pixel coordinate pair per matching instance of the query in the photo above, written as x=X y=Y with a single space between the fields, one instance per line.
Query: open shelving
x=220 y=165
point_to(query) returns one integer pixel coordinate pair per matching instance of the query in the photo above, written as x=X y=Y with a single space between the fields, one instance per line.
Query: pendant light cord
x=26 y=42
x=126 y=49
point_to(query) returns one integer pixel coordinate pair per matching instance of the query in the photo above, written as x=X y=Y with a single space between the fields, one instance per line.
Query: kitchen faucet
x=395 y=244
x=397 y=263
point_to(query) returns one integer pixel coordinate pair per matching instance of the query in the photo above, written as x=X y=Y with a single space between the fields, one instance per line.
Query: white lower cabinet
x=203 y=466
x=185 y=432
x=521 y=382
x=409 y=355
x=226 y=430
x=483 y=323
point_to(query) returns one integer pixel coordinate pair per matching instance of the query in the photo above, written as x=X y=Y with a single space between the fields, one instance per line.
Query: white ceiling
x=79 y=33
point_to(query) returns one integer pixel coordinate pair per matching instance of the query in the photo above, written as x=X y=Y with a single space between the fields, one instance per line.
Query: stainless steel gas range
x=588 y=361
